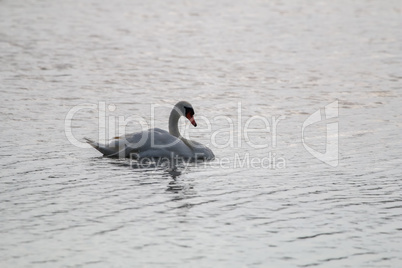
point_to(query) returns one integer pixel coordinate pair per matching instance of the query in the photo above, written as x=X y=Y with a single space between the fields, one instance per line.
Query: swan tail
x=107 y=150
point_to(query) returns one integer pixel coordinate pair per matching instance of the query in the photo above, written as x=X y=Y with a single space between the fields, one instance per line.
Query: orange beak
x=191 y=118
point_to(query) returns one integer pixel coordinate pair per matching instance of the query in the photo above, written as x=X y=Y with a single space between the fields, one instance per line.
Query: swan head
x=185 y=109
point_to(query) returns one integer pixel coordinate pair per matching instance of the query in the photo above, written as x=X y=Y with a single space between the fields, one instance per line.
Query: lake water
x=265 y=201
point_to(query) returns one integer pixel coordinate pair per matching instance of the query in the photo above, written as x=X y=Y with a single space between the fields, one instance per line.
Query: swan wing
x=201 y=151
x=156 y=142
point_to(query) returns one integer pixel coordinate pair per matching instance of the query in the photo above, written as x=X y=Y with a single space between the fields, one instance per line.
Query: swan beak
x=191 y=118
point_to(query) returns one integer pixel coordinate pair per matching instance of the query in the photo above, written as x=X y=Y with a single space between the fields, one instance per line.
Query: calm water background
x=64 y=206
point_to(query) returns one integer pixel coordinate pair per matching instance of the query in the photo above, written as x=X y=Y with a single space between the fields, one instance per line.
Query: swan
x=158 y=143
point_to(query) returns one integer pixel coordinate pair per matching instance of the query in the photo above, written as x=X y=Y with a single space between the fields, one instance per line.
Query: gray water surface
x=66 y=206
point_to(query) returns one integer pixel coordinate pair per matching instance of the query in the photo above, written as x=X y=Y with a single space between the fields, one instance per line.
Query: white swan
x=155 y=142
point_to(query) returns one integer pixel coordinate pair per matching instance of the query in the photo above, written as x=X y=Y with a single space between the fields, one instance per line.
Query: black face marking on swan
x=188 y=110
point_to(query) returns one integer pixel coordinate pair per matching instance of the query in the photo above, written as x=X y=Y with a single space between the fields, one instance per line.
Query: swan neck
x=174 y=127
x=174 y=122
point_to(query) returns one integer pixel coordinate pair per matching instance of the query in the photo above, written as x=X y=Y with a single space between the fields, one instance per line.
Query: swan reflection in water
x=159 y=171
x=171 y=170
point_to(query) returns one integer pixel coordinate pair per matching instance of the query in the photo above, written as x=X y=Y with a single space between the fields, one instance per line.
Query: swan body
x=158 y=143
